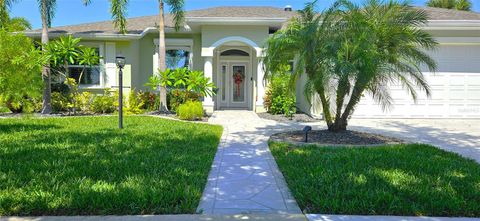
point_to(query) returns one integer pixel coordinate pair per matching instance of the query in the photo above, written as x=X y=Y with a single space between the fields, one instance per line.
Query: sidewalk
x=245 y=178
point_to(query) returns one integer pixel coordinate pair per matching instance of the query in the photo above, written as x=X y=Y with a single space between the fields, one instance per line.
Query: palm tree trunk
x=47 y=80
x=341 y=123
x=161 y=56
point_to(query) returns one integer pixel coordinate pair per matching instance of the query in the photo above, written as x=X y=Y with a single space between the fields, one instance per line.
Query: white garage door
x=455 y=89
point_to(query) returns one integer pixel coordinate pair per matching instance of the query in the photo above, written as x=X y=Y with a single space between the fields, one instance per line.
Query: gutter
x=452 y=25
x=107 y=36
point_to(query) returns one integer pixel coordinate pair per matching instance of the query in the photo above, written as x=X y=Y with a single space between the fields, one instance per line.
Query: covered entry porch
x=235 y=66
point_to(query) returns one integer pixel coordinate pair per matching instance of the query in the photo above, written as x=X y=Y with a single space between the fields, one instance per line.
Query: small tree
x=66 y=51
x=349 y=50
x=20 y=78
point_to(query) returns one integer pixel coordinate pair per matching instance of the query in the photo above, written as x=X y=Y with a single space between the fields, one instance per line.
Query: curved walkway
x=245 y=178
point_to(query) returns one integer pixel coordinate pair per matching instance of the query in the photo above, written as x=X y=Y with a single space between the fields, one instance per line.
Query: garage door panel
x=455 y=89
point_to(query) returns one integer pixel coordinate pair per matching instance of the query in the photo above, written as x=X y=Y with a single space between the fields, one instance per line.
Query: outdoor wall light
x=306 y=130
x=120 y=60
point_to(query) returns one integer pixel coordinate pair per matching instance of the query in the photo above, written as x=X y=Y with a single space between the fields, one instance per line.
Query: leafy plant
x=20 y=79
x=197 y=82
x=105 y=104
x=149 y=100
x=279 y=98
x=88 y=57
x=84 y=101
x=184 y=85
x=176 y=97
x=60 y=102
x=191 y=110
x=134 y=103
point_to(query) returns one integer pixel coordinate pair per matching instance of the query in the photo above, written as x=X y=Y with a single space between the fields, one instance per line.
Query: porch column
x=208 y=72
x=260 y=87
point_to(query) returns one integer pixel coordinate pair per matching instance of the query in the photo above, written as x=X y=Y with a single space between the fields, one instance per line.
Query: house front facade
x=226 y=44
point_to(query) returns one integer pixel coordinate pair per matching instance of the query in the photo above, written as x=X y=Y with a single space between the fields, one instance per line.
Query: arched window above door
x=234 y=52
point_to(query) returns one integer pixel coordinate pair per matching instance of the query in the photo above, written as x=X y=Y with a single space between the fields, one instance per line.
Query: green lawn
x=85 y=166
x=409 y=179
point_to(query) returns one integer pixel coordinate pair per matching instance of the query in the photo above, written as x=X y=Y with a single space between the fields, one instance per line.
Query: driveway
x=455 y=135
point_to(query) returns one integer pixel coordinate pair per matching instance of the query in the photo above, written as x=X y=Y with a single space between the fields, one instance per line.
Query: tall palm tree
x=47 y=8
x=349 y=50
x=464 y=5
x=47 y=12
x=118 y=10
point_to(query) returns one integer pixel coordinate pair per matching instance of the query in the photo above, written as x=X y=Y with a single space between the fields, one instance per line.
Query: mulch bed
x=298 y=117
x=327 y=138
x=174 y=116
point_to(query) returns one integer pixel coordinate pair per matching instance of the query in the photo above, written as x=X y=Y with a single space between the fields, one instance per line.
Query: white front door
x=234 y=84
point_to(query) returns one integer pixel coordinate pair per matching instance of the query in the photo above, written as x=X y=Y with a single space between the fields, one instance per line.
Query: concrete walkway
x=245 y=178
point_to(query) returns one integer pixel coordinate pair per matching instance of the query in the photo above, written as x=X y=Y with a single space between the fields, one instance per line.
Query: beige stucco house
x=226 y=42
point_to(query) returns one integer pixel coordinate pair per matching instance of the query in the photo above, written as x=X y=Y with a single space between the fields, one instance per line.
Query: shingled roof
x=138 y=24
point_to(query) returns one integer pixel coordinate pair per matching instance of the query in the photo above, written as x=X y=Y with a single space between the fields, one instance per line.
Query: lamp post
x=120 y=60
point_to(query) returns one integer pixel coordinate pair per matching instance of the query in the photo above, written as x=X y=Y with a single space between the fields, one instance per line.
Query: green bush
x=191 y=110
x=279 y=99
x=20 y=77
x=60 y=102
x=84 y=101
x=134 y=103
x=149 y=100
x=105 y=104
x=176 y=97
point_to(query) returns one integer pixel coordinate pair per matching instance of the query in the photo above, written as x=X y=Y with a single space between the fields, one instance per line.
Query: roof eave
x=108 y=36
x=453 y=25
x=234 y=21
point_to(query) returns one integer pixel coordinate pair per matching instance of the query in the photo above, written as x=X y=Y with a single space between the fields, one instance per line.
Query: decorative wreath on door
x=238 y=79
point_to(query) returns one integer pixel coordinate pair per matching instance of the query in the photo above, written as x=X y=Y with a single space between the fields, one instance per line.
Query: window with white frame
x=179 y=53
x=177 y=57
x=92 y=75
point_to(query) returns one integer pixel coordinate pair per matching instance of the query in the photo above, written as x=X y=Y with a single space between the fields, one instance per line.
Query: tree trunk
x=341 y=123
x=161 y=56
x=47 y=80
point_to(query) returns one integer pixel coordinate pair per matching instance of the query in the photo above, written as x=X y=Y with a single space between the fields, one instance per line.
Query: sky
x=70 y=12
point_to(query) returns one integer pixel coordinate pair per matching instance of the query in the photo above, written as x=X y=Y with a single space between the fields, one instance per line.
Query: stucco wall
x=213 y=33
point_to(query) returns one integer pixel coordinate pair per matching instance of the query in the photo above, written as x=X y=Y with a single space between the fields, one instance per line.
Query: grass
x=85 y=166
x=410 y=179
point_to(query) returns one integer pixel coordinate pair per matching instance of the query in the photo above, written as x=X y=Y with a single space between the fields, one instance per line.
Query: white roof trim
x=453 y=25
x=235 y=20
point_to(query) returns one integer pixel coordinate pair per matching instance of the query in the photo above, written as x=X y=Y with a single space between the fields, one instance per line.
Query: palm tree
x=349 y=50
x=464 y=5
x=47 y=12
x=118 y=10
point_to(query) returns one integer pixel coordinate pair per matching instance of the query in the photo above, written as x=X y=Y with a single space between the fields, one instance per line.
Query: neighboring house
x=226 y=43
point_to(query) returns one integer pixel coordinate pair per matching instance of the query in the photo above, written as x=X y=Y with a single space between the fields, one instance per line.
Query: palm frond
x=176 y=9
x=47 y=9
x=118 y=9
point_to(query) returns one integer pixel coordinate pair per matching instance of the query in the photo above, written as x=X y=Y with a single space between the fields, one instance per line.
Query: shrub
x=191 y=110
x=20 y=78
x=278 y=97
x=60 y=102
x=185 y=85
x=105 y=104
x=149 y=100
x=134 y=103
x=84 y=101
x=177 y=97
